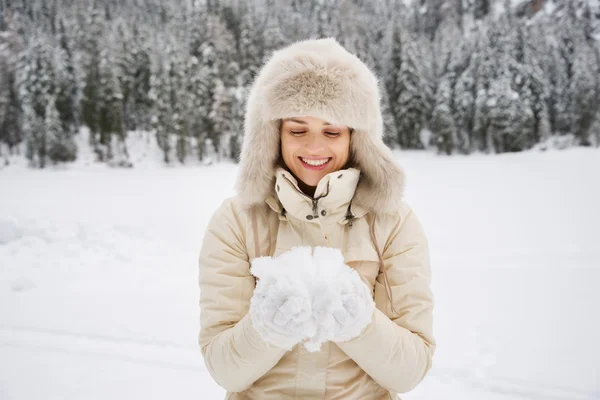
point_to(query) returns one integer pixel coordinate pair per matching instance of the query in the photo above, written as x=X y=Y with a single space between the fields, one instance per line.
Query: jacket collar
x=332 y=200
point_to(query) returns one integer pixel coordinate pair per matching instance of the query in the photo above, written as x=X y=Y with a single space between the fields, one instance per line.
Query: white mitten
x=281 y=309
x=353 y=309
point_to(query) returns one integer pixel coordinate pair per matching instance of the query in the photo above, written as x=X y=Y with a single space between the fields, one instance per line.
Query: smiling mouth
x=315 y=164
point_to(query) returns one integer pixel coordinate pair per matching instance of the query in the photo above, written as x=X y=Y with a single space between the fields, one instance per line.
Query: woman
x=315 y=174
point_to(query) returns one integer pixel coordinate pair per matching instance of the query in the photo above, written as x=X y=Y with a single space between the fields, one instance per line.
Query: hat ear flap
x=258 y=160
x=382 y=180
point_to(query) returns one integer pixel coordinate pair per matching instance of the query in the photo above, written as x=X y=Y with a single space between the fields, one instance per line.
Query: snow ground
x=98 y=277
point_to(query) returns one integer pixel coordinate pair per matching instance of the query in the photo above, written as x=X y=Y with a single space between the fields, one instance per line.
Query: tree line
x=460 y=76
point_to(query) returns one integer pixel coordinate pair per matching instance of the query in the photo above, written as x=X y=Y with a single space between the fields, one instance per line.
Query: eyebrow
x=299 y=121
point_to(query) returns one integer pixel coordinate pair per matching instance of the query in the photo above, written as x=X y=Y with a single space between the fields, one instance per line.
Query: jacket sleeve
x=396 y=350
x=234 y=353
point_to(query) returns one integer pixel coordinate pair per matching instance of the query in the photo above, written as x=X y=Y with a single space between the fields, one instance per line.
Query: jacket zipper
x=315 y=205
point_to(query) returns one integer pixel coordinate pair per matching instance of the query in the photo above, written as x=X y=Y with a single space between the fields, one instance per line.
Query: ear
x=262 y=266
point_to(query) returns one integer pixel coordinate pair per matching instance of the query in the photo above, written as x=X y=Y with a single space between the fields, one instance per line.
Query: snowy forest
x=456 y=76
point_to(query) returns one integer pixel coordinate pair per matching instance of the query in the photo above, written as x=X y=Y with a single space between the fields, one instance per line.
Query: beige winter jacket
x=394 y=352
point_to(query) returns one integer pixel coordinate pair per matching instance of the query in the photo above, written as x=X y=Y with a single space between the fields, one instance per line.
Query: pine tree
x=10 y=109
x=446 y=43
x=324 y=17
x=160 y=94
x=432 y=12
x=92 y=91
x=505 y=115
x=485 y=73
x=125 y=52
x=10 y=130
x=464 y=110
x=534 y=52
x=202 y=77
x=238 y=103
x=68 y=94
x=179 y=102
x=558 y=101
x=481 y=8
x=249 y=47
x=139 y=100
x=109 y=144
x=442 y=123
x=409 y=93
x=61 y=147
x=273 y=37
x=35 y=137
x=221 y=116
x=198 y=115
x=584 y=89
x=37 y=84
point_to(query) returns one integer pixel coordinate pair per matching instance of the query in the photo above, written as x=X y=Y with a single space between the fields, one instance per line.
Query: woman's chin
x=312 y=179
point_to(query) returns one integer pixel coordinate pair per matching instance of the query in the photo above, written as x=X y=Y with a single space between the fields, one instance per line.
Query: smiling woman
x=312 y=148
x=315 y=277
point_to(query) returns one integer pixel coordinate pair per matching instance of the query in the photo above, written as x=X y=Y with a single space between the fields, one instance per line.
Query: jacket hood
x=318 y=78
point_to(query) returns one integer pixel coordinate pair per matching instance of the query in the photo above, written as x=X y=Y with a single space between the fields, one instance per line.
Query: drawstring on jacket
x=349 y=216
x=382 y=268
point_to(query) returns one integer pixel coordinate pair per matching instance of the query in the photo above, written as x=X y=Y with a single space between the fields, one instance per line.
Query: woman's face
x=312 y=148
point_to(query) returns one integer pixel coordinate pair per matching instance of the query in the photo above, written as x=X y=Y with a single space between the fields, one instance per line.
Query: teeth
x=315 y=163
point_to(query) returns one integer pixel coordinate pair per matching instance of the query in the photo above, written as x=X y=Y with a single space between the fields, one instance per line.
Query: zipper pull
x=315 y=208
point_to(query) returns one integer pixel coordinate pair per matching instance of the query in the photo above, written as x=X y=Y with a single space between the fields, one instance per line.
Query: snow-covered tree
x=60 y=144
x=162 y=110
x=464 y=109
x=442 y=123
x=11 y=44
x=273 y=36
x=111 y=123
x=250 y=47
x=221 y=116
x=409 y=92
x=37 y=82
x=446 y=42
x=506 y=115
x=584 y=89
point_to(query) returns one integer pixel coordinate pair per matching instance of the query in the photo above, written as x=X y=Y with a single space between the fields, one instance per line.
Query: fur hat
x=318 y=78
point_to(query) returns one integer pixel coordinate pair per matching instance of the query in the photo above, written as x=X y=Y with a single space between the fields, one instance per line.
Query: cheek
x=288 y=147
x=342 y=151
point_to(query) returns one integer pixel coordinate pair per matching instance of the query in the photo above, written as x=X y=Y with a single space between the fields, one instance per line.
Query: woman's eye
x=333 y=134
x=297 y=132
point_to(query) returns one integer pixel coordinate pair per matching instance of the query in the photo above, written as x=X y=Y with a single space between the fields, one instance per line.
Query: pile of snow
x=306 y=292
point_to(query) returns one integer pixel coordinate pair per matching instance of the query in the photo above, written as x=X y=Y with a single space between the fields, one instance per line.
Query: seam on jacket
x=255 y=233
x=297 y=368
x=327 y=368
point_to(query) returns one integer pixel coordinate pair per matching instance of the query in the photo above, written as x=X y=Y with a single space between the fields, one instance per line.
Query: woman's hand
x=353 y=306
x=281 y=307
x=309 y=296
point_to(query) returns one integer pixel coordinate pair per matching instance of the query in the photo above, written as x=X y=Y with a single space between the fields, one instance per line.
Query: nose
x=315 y=143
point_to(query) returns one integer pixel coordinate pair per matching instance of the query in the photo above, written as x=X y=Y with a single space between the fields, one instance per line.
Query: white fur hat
x=318 y=78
